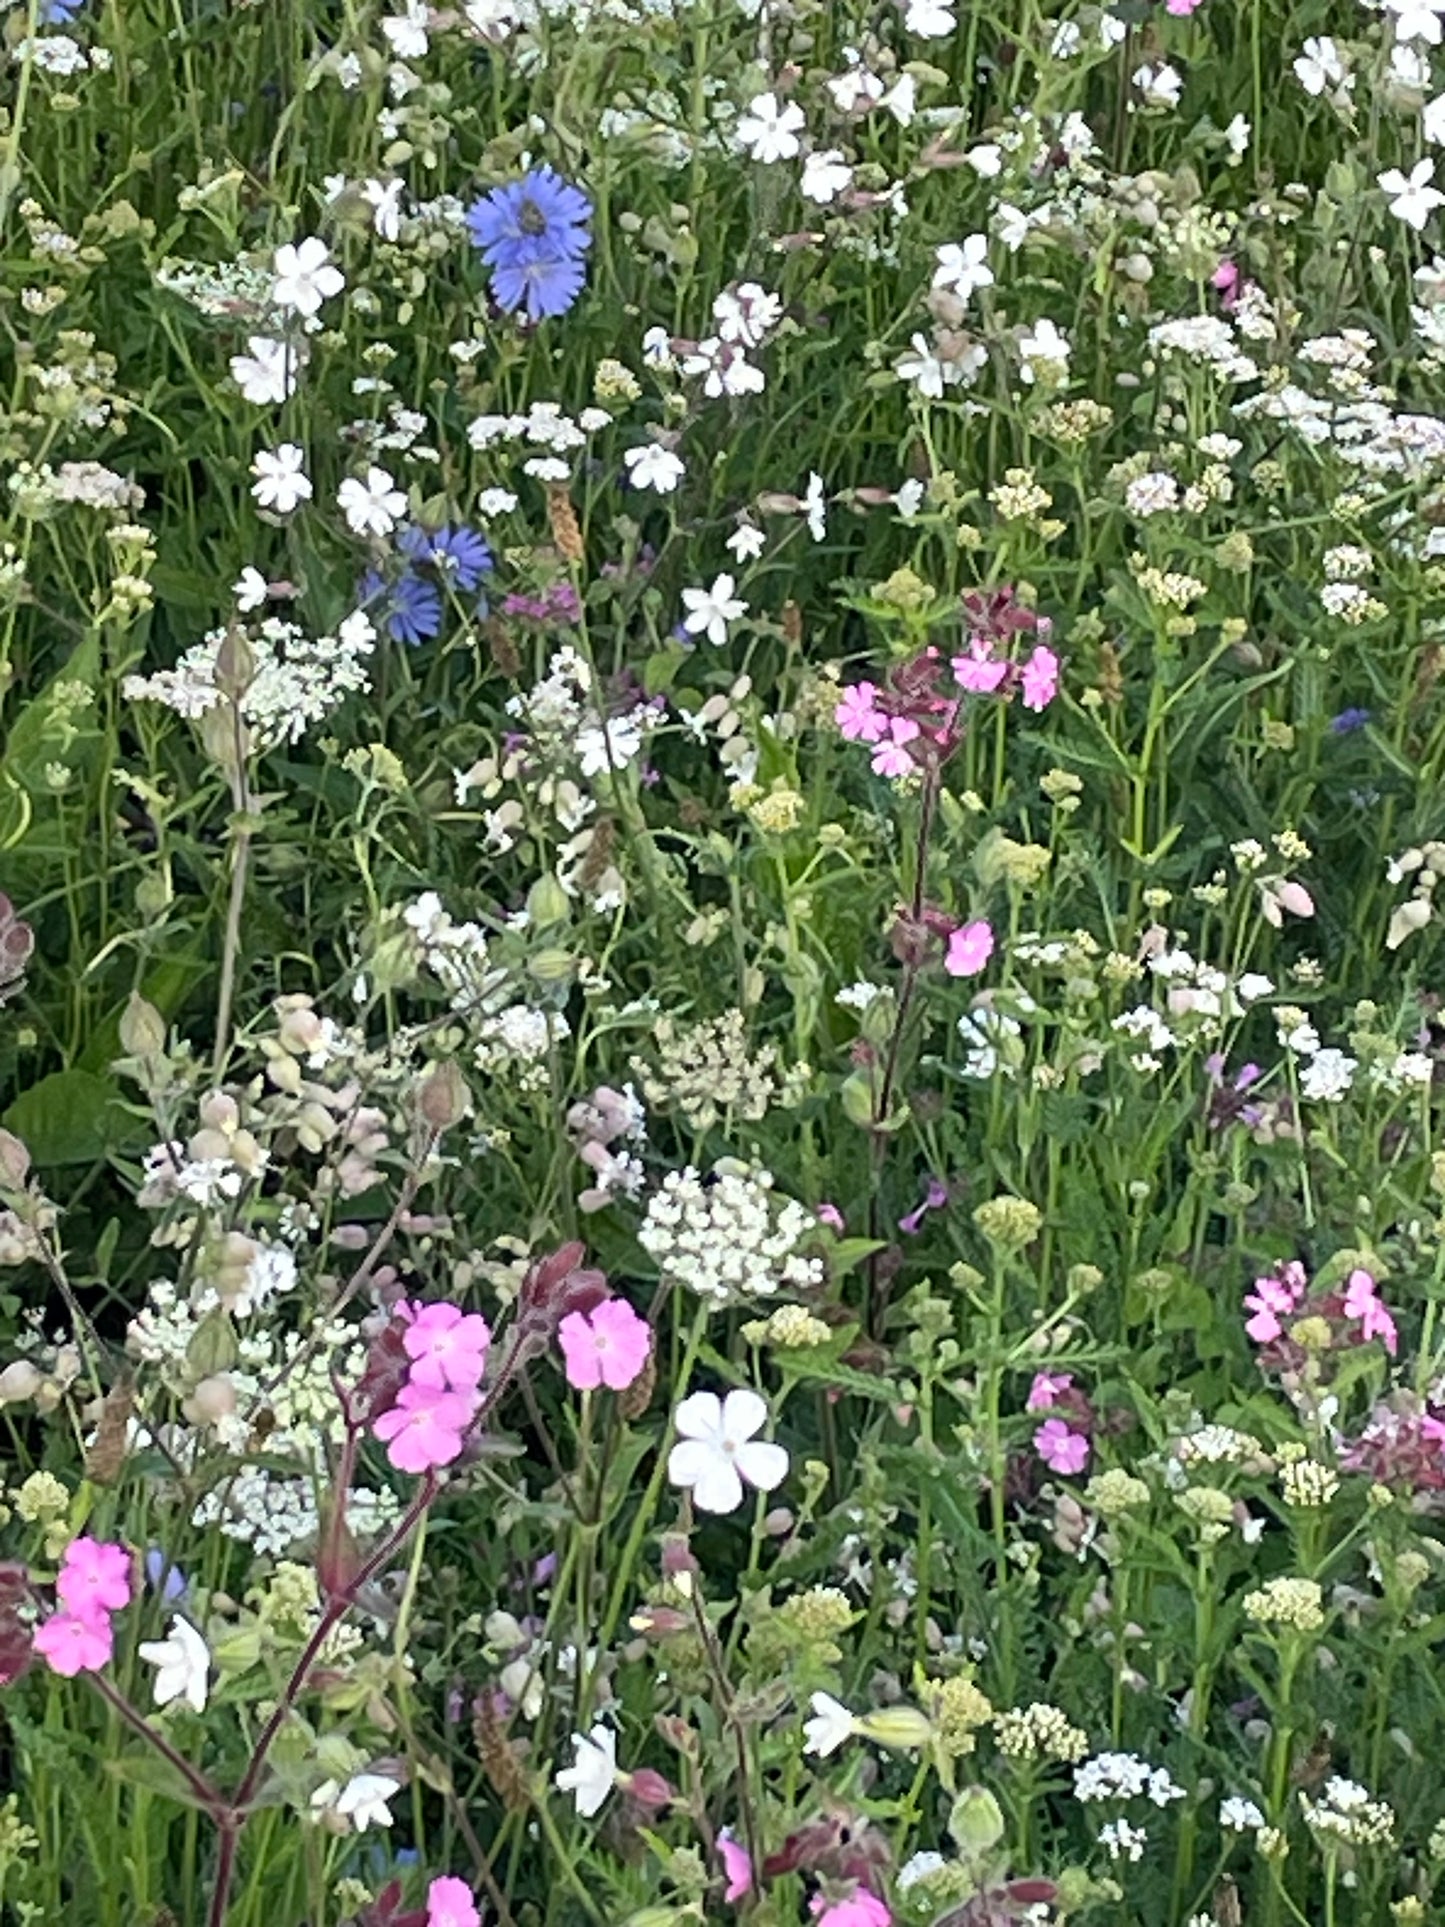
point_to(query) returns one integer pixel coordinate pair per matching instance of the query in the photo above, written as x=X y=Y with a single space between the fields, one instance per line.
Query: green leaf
x=155 y=1775
x=72 y=1117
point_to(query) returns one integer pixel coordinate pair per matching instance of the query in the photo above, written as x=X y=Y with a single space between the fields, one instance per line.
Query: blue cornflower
x=1348 y=721
x=161 y=1574
x=532 y=234
x=59 y=13
x=410 y=607
x=459 y=555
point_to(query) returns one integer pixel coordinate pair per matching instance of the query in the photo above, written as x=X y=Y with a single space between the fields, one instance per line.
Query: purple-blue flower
x=164 y=1577
x=1348 y=721
x=410 y=608
x=59 y=13
x=532 y=234
x=459 y=555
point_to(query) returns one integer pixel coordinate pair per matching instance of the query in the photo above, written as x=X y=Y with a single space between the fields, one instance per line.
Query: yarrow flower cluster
x=726 y=1237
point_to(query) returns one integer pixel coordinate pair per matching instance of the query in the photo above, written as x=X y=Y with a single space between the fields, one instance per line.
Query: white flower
x=929 y=19
x=1237 y=1815
x=492 y=502
x=901 y=100
x=768 y=131
x=963 y=270
x=709 y=611
x=746 y=542
x=1160 y=86
x=825 y=176
x=1432 y=126
x=986 y=160
x=183 y=1662
x=1413 y=197
x=305 y=277
x=1327 y=1076
x=815 y=502
x=268 y=373
x=657 y=348
x=1319 y=66
x=281 y=481
x=1417 y=19
x=593 y=1772
x=372 y=507
x=407 y=31
x=855 y=91
x=362 y=1800
x=1122 y=1841
x=716 y=1450
x=1042 y=349
x=1011 y=225
x=924 y=369
x=831 y=1726
x=653 y=466
x=384 y=199
x=908 y=498
x=1238 y=135
x=251 y=591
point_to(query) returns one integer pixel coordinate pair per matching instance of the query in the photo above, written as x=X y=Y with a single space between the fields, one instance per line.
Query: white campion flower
x=747 y=542
x=717 y=1450
x=929 y=19
x=815 y=507
x=655 y=467
x=182 y=1661
x=362 y=1801
x=372 y=507
x=1159 y=86
x=986 y=160
x=1413 y=197
x=831 y=1726
x=901 y=100
x=281 y=483
x=305 y=276
x=825 y=176
x=1319 y=66
x=1043 y=350
x=856 y=91
x=593 y=1772
x=250 y=591
x=407 y=32
x=1432 y=125
x=769 y=130
x=384 y=200
x=709 y=611
x=963 y=269
x=267 y=373
x=1416 y=19
x=924 y=369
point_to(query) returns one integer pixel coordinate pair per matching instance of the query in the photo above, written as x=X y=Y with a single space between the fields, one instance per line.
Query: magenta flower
x=1182 y=8
x=70 y=1644
x=830 y=1215
x=1272 y=1300
x=856 y=716
x=860 y=1909
x=978 y=672
x=94 y=1578
x=1040 y=678
x=1060 y=1448
x=449 y=1903
x=607 y=1346
x=891 y=758
x=969 y=949
x=447 y=1347
x=1374 y=1317
x=424 y=1428
x=1045 y=1390
x=736 y=1866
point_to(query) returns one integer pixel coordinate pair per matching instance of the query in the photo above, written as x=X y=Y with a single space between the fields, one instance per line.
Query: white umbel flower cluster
x=1124 y=1776
x=726 y=1237
x=1346 y=1813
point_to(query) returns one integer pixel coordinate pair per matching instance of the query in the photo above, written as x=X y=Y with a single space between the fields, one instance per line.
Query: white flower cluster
x=1345 y=1812
x=726 y=1237
x=1124 y=1776
x=273 y=1515
x=560 y=713
x=455 y=953
x=1122 y=1841
x=544 y=427
x=296 y=681
x=518 y=1040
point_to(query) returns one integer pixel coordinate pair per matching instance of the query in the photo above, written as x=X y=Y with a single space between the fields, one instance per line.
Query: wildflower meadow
x=722 y=1036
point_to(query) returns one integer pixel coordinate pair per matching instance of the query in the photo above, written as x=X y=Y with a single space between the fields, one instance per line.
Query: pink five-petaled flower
x=860 y=1909
x=70 y=1644
x=94 y=1578
x=737 y=1867
x=447 y=1346
x=891 y=757
x=969 y=949
x=1183 y=8
x=856 y=716
x=1271 y=1300
x=606 y=1346
x=1361 y=1303
x=1040 y=678
x=1060 y=1448
x=1045 y=1390
x=979 y=672
x=449 y=1903
x=425 y=1426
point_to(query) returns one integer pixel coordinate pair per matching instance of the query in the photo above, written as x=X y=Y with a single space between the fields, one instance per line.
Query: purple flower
x=1348 y=721
x=459 y=555
x=532 y=234
x=59 y=13
x=410 y=607
x=164 y=1577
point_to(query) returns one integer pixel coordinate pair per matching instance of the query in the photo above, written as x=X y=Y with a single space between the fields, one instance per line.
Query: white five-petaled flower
x=305 y=276
x=1319 y=65
x=1417 y=19
x=372 y=507
x=709 y=611
x=593 y=1772
x=929 y=19
x=1159 y=84
x=815 y=507
x=1043 y=350
x=268 y=373
x=747 y=541
x=250 y=591
x=653 y=466
x=281 y=483
x=825 y=176
x=923 y=368
x=717 y=1450
x=384 y=200
x=1412 y=197
x=362 y=1801
x=407 y=31
x=184 y=1659
x=964 y=269
x=768 y=131
x=831 y=1726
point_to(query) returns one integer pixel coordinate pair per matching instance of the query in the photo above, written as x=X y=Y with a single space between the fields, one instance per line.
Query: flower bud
x=142 y=1028
x=896 y=1726
x=14 y=1162
x=548 y=904
x=443 y=1098
x=19 y=1380
x=551 y=967
x=976 y=1823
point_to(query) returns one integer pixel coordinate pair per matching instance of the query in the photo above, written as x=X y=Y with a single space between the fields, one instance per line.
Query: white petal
x=689 y=1460
x=743 y=1413
x=718 y=1488
x=761 y=1464
x=699 y=1416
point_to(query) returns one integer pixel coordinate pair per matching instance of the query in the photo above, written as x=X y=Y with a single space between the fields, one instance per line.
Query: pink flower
x=1272 y=1300
x=1225 y=280
x=94 y=1578
x=855 y=715
x=969 y=949
x=447 y=1347
x=449 y=1904
x=860 y=1909
x=1182 y=8
x=70 y=1644
x=891 y=758
x=425 y=1427
x=1046 y=1388
x=1040 y=678
x=830 y=1215
x=978 y=672
x=1375 y=1319
x=607 y=1346
x=736 y=1865
x=1060 y=1449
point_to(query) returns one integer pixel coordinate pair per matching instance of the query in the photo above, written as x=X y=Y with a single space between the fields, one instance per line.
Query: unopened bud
x=976 y=1823
x=142 y=1028
x=235 y=664
x=896 y=1726
x=14 y=1161
x=547 y=904
x=19 y=1380
x=214 y=1398
x=443 y=1098
x=552 y=967
x=648 y=1788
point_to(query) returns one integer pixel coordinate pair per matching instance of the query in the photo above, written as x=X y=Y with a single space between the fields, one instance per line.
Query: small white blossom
x=281 y=483
x=717 y=1452
x=653 y=466
x=305 y=277
x=593 y=1772
x=372 y=507
x=709 y=611
x=182 y=1662
x=769 y=130
x=831 y=1726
